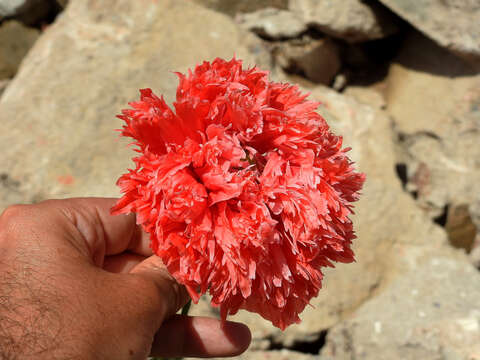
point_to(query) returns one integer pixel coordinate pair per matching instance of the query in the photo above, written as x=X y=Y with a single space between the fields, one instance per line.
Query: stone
x=350 y=20
x=317 y=59
x=57 y=138
x=16 y=40
x=272 y=23
x=453 y=24
x=57 y=117
x=429 y=313
x=10 y=8
x=233 y=7
x=460 y=227
x=340 y=81
x=434 y=99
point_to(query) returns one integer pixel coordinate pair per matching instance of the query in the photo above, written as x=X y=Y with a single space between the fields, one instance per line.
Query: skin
x=78 y=283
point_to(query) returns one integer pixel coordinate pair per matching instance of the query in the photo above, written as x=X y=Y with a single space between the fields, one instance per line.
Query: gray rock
x=233 y=7
x=430 y=313
x=57 y=117
x=11 y=7
x=316 y=59
x=15 y=41
x=453 y=24
x=272 y=23
x=434 y=99
x=350 y=20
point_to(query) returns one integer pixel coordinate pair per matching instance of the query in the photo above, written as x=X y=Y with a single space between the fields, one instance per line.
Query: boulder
x=350 y=20
x=272 y=23
x=57 y=117
x=57 y=138
x=16 y=40
x=453 y=24
x=429 y=313
x=316 y=59
x=434 y=99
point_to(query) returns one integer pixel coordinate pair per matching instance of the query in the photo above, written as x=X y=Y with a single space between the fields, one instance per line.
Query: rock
x=57 y=138
x=453 y=24
x=57 y=117
x=387 y=222
x=430 y=313
x=272 y=23
x=15 y=41
x=460 y=227
x=350 y=20
x=434 y=99
x=340 y=81
x=10 y=8
x=27 y=11
x=317 y=59
x=233 y=7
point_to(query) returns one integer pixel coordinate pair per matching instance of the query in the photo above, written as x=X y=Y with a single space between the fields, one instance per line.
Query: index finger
x=103 y=232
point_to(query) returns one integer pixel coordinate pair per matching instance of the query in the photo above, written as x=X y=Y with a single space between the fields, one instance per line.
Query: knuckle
x=162 y=292
x=10 y=219
x=12 y=214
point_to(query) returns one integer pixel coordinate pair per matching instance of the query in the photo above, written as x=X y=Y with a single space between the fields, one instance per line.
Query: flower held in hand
x=243 y=189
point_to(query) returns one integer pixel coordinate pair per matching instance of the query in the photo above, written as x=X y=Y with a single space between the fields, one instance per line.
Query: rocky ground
x=400 y=79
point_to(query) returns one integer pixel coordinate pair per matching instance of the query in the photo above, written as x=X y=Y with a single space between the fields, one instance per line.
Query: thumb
x=164 y=292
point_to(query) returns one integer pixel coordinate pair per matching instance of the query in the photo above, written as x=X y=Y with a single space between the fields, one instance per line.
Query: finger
x=120 y=232
x=183 y=336
x=122 y=263
x=167 y=295
x=103 y=233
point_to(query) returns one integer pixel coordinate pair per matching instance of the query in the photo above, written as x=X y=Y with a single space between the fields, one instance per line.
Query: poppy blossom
x=244 y=190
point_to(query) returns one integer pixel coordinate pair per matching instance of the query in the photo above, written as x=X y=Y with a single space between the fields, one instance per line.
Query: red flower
x=243 y=189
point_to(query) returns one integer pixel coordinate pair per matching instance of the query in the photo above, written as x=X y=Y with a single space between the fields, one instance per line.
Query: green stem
x=186 y=308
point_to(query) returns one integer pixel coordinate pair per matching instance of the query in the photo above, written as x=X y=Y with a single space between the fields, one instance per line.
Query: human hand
x=77 y=282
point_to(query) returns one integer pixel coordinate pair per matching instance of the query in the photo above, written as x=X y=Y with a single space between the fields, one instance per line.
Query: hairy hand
x=77 y=282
